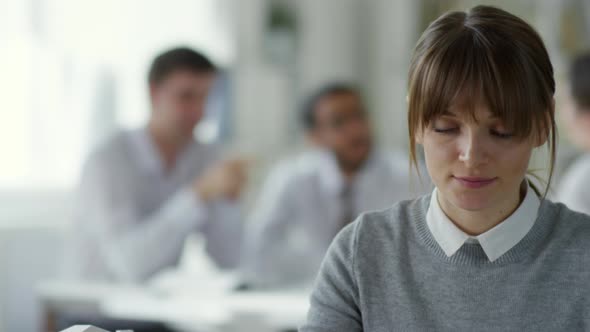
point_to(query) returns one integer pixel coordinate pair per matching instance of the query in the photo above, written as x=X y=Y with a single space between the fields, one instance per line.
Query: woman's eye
x=500 y=134
x=448 y=130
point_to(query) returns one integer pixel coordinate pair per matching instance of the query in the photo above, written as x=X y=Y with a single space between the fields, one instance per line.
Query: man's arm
x=131 y=247
x=265 y=243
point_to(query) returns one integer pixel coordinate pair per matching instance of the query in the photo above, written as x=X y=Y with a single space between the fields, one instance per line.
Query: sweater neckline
x=472 y=253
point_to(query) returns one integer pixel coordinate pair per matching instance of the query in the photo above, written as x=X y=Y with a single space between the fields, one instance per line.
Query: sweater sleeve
x=334 y=303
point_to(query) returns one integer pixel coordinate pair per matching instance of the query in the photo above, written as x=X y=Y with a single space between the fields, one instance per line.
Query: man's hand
x=223 y=180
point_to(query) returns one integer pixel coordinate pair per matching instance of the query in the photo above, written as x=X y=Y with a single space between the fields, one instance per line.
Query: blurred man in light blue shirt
x=309 y=198
x=144 y=191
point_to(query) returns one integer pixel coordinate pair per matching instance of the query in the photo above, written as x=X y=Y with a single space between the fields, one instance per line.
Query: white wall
x=367 y=42
x=31 y=238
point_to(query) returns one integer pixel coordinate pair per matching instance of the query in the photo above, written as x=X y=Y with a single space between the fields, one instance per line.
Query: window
x=74 y=71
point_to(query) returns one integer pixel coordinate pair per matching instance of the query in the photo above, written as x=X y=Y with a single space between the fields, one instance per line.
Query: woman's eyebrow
x=449 y=112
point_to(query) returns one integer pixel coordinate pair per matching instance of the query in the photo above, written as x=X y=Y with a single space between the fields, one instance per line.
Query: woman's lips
x=474 y=182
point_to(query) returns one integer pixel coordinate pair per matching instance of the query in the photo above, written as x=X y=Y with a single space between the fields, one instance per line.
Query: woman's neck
x=475 y=223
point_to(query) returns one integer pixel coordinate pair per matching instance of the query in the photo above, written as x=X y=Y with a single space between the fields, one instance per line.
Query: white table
x=213 y=310
x=81 y=299
x=270 y=311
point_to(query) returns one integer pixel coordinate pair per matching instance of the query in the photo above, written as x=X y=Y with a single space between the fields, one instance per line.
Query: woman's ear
x=541 y=140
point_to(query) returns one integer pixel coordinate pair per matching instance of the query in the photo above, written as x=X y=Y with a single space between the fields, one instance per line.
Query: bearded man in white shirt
x=144 y=191
x=309 y=198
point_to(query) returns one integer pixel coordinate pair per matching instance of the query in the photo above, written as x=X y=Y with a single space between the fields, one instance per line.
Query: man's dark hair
x=180 y=58
x=580 y=80
x=308 y=116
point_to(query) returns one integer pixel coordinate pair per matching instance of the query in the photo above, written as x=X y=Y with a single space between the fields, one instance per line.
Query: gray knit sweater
x=386 y=272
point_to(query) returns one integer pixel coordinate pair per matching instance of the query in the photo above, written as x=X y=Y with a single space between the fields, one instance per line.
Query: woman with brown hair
x=485 y=251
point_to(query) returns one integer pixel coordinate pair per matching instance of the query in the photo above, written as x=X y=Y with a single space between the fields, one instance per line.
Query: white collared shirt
x=496 y=241
x=132 y=215
x=300 y=210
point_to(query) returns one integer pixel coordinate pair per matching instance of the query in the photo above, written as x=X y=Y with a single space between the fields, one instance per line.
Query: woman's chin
x=472 y=201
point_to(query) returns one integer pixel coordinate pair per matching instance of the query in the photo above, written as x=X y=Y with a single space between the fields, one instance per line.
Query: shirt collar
x=148 y=158
x=496 y=241
x=331 y=178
